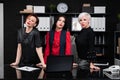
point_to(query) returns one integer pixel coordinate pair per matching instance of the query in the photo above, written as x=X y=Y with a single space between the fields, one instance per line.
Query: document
x=75 y=24
x=44 y=24
x=27 y=68
x=101 y=64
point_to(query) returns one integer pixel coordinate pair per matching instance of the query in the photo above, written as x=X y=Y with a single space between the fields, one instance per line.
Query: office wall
x=1 y=41
x=13 y=20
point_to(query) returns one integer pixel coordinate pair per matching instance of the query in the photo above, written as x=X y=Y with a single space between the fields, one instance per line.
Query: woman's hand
x=75 y=65
x=14 y=64
x=92 y=66
x=41 y=65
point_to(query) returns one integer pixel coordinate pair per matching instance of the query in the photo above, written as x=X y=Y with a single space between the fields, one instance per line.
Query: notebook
x=59 y=64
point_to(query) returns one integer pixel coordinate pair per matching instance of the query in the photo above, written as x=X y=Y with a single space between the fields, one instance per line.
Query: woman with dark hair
x=29 y=49
x=55 y=21
x=58 y=40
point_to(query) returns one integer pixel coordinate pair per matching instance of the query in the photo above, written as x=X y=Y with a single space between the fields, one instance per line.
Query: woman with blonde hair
x=85 y=40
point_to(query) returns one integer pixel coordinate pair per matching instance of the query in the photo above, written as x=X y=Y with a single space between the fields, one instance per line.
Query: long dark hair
x=55 y=21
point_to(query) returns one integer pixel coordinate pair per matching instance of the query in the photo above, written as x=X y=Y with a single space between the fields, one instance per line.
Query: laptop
x=59 y=64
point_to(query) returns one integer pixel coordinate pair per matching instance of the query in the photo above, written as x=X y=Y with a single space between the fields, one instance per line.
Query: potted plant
x=52 y=8
x=118 y=24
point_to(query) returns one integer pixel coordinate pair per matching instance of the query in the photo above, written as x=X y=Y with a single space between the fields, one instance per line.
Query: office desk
x=10 y=73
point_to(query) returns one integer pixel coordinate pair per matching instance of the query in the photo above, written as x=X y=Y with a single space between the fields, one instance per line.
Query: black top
x=85 y=42
x=30 y=41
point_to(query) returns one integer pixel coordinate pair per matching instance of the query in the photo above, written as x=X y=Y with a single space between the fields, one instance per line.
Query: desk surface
x=11 y=73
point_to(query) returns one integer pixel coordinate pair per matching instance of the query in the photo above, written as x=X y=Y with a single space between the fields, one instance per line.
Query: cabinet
x=97 y=20
x=100 y=43
x=117 y=47
x=102 y=48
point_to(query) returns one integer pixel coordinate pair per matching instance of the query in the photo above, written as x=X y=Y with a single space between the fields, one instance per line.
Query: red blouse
x=56 y=45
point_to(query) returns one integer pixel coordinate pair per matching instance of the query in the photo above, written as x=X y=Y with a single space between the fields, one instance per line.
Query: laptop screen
x=59 y=63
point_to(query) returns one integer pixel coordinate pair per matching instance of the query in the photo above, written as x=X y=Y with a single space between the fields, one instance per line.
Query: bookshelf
x=117 y=47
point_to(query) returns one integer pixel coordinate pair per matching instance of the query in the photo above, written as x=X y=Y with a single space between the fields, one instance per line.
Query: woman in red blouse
x=58 y=40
